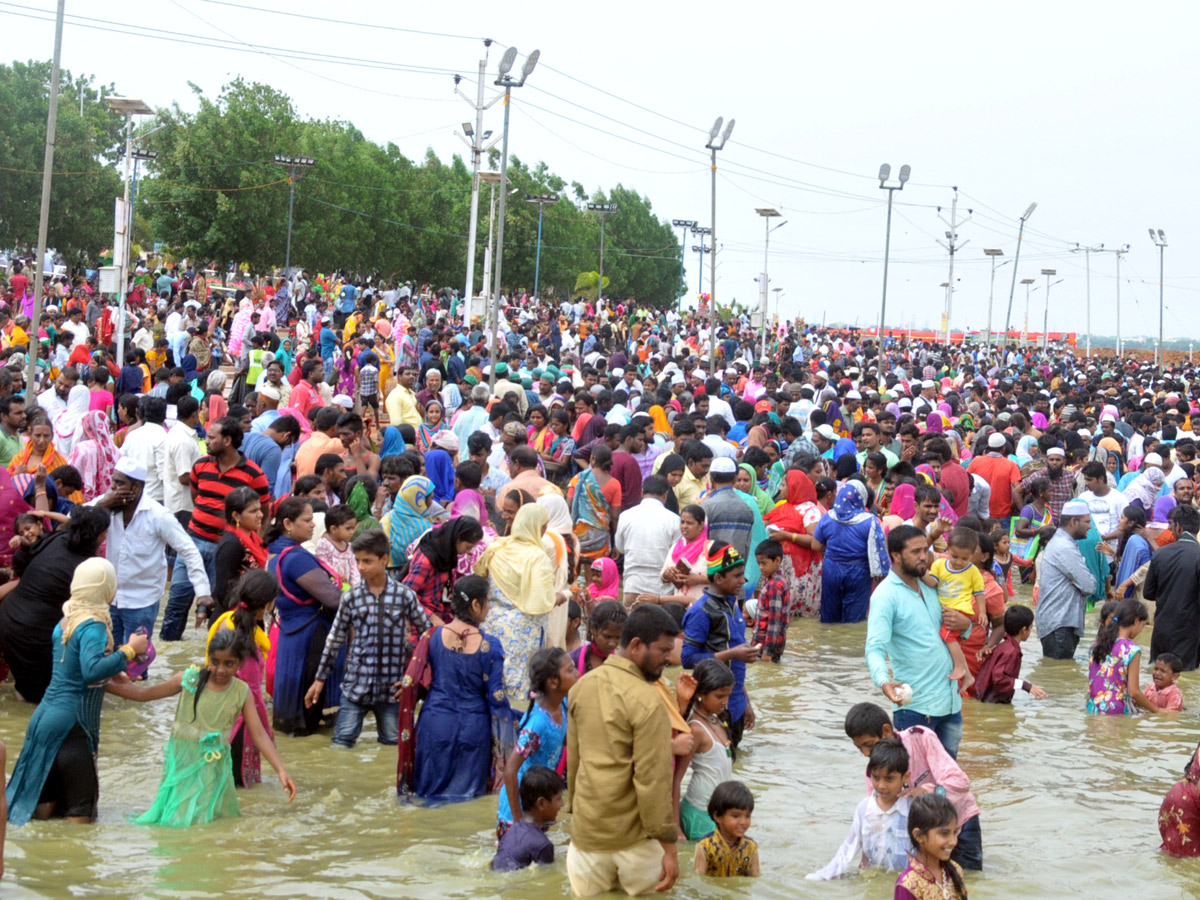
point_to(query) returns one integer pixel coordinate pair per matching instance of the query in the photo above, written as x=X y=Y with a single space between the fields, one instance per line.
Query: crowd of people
x=495 y=540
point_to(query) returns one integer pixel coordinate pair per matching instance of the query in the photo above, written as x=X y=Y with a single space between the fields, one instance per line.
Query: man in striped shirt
x=213 y=477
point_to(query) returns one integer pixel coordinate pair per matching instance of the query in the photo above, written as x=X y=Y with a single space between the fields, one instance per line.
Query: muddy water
x=1070 y=803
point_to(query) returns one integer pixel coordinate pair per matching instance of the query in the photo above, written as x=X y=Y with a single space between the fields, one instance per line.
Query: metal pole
x=1046 y=318
x=1025 y=328
x=953 y=237
x=476 y=152
x=125 y=240
x=486 y=288
x=1118 y=255
x=700 y=276
x=1016 y=265
x=537 y=265
x=682 y=264
x=495 y=342
x=287 y=255
x=712 y=272
x=1160 y=352
x=44 y=215
x=1087 y=260
x=887 y=247
x=766 y=253
x=991 y=295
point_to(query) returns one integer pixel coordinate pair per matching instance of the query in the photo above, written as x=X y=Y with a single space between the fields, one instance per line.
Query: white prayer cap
x=131 y=468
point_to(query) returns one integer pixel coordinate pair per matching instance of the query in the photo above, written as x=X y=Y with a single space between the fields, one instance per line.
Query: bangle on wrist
x=129 y=652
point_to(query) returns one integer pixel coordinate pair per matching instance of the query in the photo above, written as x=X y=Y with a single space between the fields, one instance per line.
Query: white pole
x=476 y=142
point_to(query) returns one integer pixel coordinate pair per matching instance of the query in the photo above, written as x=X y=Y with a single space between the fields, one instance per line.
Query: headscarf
x=447 y=440
x=843 y=447
x=933 y=423
x=393 y=442
x=469 y=502
x=765 y=504
x=518 y=566
x=849 y=508
x=93 y=587
x=408 y=522
x=66 y=424
x=787 y=516
x=283 y=355
x=610 y=580
x=1144 y=489
x=1025 y=447
x=440 y=466
x=558 y=515
x=440 y=545
x=359 y=502
x=904 y=502
x=659 y=416
x=1162 y=507
x=95 y=455
x=1038 y=421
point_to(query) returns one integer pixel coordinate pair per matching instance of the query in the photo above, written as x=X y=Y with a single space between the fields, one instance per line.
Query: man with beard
x=1062 y=481
x=905 y=628
x=619 y=766
x=1065 y=584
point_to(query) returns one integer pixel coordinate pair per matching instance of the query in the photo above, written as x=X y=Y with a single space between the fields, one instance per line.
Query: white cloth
x=68 y=430
x=645 y=535
x=877 y=838
x=180 y=452
x=147 y=445
x=138 y=552
x=51 y=402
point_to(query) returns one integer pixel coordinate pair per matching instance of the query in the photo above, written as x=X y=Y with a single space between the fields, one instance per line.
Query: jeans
x=126 y=621
x=947 y=728
x=1060 y=643
x=969 y=851
x=179 y=601
x=349 y=723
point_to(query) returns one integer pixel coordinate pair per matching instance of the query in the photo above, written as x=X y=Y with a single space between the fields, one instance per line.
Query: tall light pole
x=702 y=231
x=952 y=246
x=1087 y=258
x=1160 y=241
x=603 y=210
x=506 y=81
x=884 y=171
x=297 y=166
x=993 y=253
x=683 y=225
x=1049 y=273
x=1118 y=252
x=714 y=144
x=1025 y=328
x=44 y=212
x=492 y=178
x=541 y=200
x=777 y=291
x=768 y=213
x=475 y=140
x=1016 y=263
x=129 y=107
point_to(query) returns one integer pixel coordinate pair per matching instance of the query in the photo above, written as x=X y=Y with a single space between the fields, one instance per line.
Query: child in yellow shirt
x=960 y=587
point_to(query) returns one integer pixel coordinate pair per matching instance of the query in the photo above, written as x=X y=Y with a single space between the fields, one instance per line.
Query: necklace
x=462 y=637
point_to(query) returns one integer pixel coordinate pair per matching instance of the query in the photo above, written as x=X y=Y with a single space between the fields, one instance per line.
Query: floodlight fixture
x=506 y=62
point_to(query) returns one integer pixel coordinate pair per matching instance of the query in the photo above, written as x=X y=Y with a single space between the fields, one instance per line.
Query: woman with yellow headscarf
x=61 y=742
x=521 y=591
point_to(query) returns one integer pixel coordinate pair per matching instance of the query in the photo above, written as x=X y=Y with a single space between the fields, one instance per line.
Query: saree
x=592 y=514
x=95 y=456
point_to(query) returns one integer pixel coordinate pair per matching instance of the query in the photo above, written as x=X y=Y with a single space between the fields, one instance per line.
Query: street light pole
x=1087 y=257
x=702 y=231
x=1160 y=241
x=1025 y=328
x=884 y=171
x=292 y=164
x=1016 y=264
x=777 y=293
x=541 y=200
x=952 y=246
x=993 y=253
x=768 y=213
x=603 y=210
x=683 y=225
x=129 y=107
x=504 y=80
x=714 y=145
x=1049 y=273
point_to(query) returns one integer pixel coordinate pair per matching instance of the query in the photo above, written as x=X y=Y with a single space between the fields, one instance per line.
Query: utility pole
x=1025 y=328
x=475 y=137
x=683 y=225
x=992 y=253
x=603 y=210
x=714 y=145
x=884 y=171
x=1016 y=264
x=1087 y=260
x=44 y=214
x=702 y=231
x=292 y=164
x=1118 y=253
x=1049 y=273
x=1160 y=241
x=953 y=247
x=541 y=201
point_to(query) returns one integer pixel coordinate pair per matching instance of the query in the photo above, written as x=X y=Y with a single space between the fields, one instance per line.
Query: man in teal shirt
x=12 y=420
x=905 y=627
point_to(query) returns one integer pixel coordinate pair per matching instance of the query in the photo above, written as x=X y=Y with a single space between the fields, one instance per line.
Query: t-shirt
x=1106 y=511
x=522 y=845
x=1001 y=473
x=540 y=742
x=957 y=590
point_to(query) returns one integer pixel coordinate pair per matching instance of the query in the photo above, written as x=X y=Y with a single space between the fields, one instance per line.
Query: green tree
x=87 y=146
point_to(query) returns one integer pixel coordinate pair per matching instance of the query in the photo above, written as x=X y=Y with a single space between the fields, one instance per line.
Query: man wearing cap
x=923 y=404
x=1066 y=584
x=824 y=438
x=733 y=517
x=1062 y=481
x=1001 y=474
x=140 y=531
x=506 y=386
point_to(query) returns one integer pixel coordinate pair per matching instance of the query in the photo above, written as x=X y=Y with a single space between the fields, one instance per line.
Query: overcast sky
x=1089 y=110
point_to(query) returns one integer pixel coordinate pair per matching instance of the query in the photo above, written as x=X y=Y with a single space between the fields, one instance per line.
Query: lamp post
x=506 y=81
x=777 y=291
x=1025 y=328
x=292 y=164
x=1049 y=273
x=541 y=200
x=768 y=214
x=492 y=178
x=884 y=171
x=603 y=210
x=1087 y=256
x=993 y=253
x=1160 y=241
x=702 y=231
x=714 y=144
x=683 y=225
x=1017 y=262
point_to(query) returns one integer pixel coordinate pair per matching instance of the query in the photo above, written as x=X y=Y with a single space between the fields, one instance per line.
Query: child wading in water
x=197 y=783
x=542 y=733
x=604 y=633
x=1114 y=684
x=727 y=852
x=931 y=874
x=712 y=763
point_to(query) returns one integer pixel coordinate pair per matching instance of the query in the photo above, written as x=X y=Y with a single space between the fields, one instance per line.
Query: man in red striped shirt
x=212 y=477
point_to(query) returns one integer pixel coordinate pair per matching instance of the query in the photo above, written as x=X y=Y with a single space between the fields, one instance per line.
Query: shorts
x=953 y=637
x=72 y=784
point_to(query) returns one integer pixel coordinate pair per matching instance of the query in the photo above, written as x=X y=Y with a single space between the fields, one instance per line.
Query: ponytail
x=1128 y=612
x=256 y=590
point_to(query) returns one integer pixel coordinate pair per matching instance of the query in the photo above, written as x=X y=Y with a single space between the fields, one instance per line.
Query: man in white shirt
x=77 y=327
x=1104 y=502
x=180 y=452
x=645 y=536
x=138 y=535
x=54 y=400
x=719 y=407
x=147 y=444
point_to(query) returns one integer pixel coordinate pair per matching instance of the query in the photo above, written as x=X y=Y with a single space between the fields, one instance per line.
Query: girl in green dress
x=197 y=784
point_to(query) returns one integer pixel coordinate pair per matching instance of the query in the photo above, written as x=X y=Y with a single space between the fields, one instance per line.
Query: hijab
x=850 y=509
x=469 y=502
x=393 y=442
x=1025 y=449
x=904 y=503
x=440 y=467
x=408 y=522
x=760 y=496
x=518 y=566
x=1144 y=489
x=93 y=587
x=610 y=580
x=659 y=416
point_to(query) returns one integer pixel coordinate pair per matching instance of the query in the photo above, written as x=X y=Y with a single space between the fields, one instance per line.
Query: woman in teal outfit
x=55 y=775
